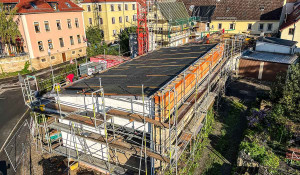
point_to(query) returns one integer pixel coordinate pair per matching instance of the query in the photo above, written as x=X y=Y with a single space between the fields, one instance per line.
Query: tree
x=9 y=30
x=124 y=38
x=287 y=94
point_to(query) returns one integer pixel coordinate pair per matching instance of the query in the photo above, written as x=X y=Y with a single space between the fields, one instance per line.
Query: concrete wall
x=267 y=47
x=109 y=102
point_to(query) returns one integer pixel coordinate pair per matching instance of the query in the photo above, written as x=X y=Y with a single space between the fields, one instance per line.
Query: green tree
x=9 y=30
x=96 y=44
x=124 y=38
x=286 y=93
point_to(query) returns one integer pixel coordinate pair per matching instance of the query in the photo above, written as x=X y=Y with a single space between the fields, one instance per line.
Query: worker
x=70 y=78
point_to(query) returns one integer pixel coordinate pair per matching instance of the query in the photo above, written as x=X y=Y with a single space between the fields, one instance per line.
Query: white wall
x=267 y=47
x=95 y=149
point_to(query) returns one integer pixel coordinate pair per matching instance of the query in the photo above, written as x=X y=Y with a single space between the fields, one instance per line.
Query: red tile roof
x=291 y=18
x=91 y=1
x=241 y=9
x=43 y=6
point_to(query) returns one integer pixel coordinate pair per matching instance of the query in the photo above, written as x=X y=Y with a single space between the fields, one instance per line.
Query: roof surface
x=204 y=12
x=278 y=41
x=270 y=57
x=291 y=18
x=242 y=9
x=153 y=70
x=173 y=11
x=91 y=1
x=43 y=6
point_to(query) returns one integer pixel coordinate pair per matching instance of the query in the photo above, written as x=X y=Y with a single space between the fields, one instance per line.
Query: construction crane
x=142 y=29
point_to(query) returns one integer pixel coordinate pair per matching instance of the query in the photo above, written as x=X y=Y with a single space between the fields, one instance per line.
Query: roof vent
x=261 y=8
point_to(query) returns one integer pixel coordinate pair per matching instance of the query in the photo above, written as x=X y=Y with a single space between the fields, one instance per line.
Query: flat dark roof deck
x=153 y=70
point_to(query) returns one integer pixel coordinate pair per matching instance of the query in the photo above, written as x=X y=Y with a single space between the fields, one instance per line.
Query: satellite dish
x=191 y=8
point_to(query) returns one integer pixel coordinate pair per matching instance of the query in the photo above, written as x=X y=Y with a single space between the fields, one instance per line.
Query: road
x=12 y=108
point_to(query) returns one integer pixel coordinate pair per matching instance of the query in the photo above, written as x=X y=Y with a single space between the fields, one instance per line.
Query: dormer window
x=68 y=4
x=54 y=6
x=33 y=5
x=227 y=9
x=261 y=8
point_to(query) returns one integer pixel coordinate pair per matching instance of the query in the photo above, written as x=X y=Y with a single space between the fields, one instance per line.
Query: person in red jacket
x=70 y=78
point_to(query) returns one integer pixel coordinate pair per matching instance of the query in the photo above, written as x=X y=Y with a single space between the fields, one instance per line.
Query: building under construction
x=137 y=117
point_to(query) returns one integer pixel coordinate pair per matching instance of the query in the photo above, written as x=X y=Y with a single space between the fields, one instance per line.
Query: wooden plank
x=136 y=117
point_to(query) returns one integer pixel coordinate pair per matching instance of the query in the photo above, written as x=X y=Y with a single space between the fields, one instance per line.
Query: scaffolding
x=156 y=130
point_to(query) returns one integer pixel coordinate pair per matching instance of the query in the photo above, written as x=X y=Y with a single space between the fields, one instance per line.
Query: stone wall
x=14 y=64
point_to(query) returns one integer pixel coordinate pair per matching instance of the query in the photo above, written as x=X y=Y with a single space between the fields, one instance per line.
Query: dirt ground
x=220 y=155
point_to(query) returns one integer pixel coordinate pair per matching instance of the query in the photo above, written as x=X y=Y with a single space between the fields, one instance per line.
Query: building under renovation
x=137 y=117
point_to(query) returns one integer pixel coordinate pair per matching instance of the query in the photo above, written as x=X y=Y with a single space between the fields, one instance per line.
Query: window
x=76 y=23
x=33 y=5
x=270 y=27
x=134 y=17
x=127 y=19
x=101 y=21
x=220 y=26
x=90 y=21
x=58 y=25
x=53 y=58
x=160 y=29
x=71 y=40
x=73 y=52
x=119 y=7
x=100 y=8
x=261 y=27
x=80 y=50
x=249 y=26
x=231 y=26
x=133 y=6
x=114 y=32
x=120 y=19
x=61 y=42
x=88 y=8
x=47 y=28
x=69 y=23
x=40 y=44
x=78 y=39
x=126 y=6
x=68 y=4
x=291 y=31
x=36 y=27
x=50 y=45
x=113 y=20
x=150 y=29
x=43 y=60
x=112 y=7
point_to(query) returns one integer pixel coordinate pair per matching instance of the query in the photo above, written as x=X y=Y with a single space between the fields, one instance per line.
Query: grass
x=225 y=139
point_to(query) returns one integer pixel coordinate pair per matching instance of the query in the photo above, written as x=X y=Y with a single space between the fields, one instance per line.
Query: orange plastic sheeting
x=184 y=86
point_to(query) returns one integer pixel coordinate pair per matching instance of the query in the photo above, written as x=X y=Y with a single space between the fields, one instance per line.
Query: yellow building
x=112 y=16
x=168 y=24
x=238 y=16
x=290 y=28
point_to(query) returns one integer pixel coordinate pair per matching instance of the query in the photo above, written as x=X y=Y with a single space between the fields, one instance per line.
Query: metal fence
x=17 y=147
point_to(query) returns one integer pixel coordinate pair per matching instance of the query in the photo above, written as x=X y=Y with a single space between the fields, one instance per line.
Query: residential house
x=241 y=16
x=52 y=30
x=112 y=16
x=271 y=57
x=290 y=27
x=168 y=24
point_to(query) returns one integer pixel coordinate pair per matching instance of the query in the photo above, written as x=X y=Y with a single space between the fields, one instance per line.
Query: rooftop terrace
x=153 y=70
